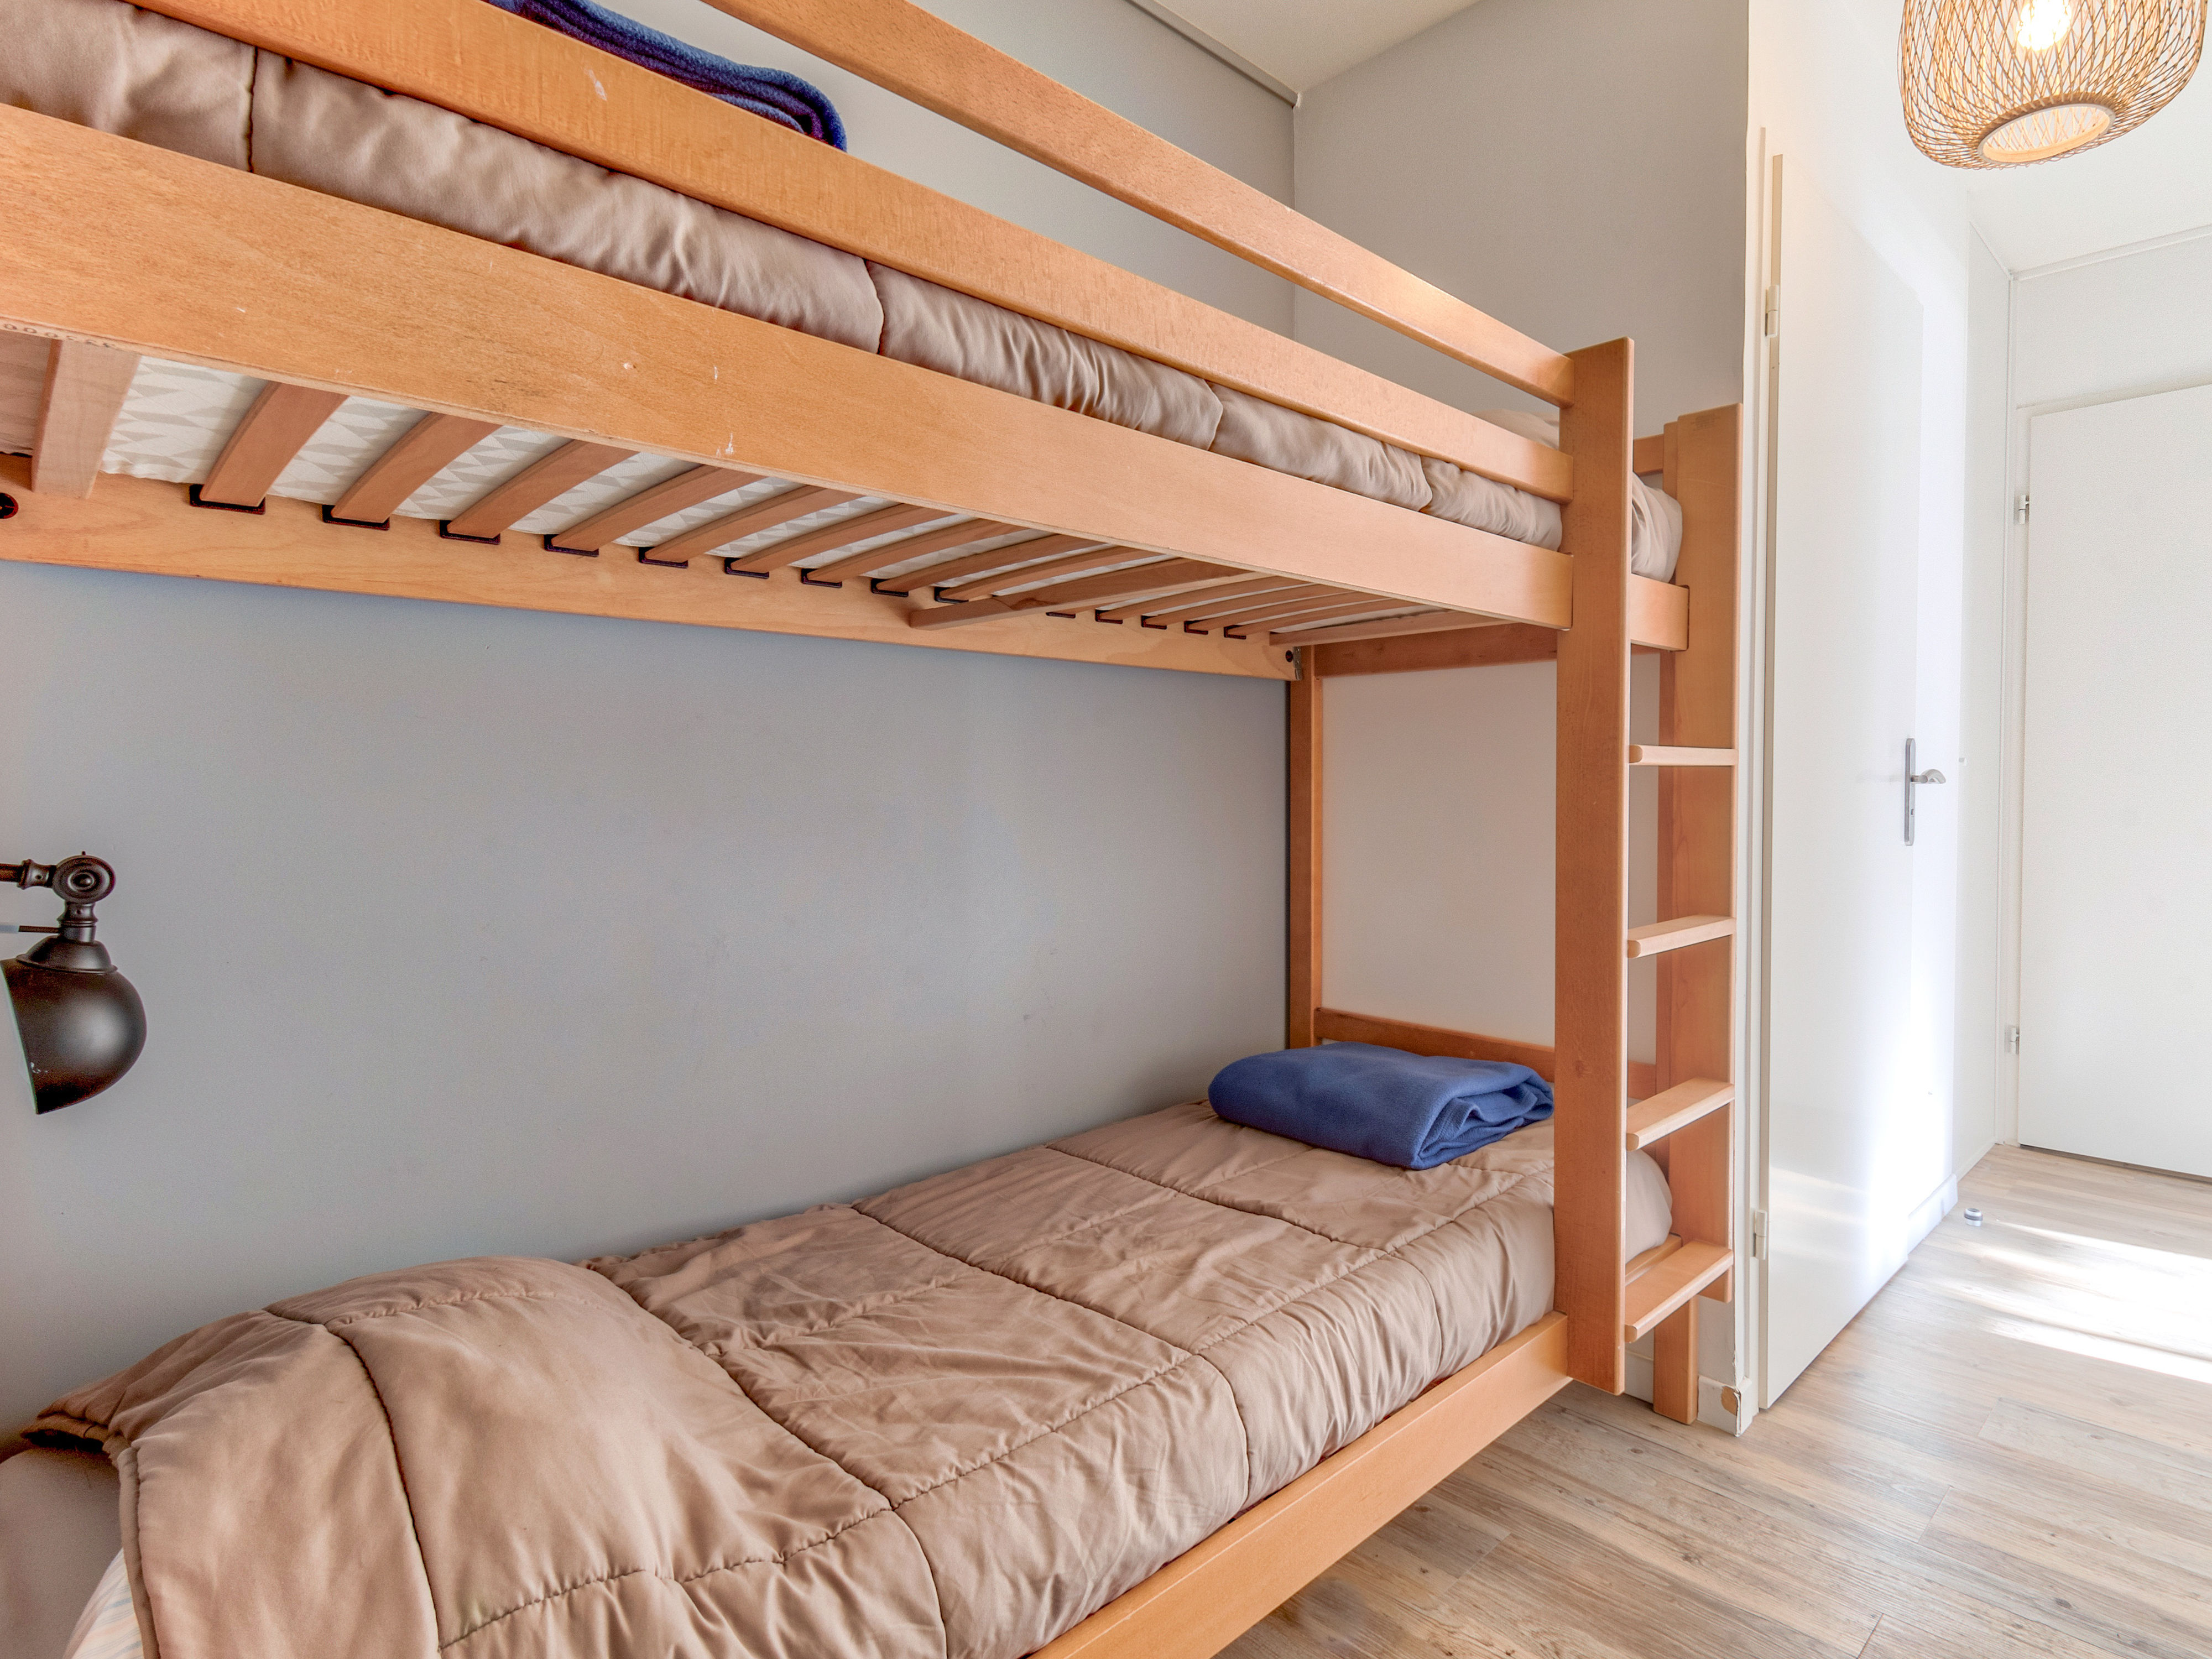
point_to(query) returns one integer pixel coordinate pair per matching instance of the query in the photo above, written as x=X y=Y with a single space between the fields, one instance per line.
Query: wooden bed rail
x=926 y=60
x=391 y=309
x=1202 y=1601
x=508 y=72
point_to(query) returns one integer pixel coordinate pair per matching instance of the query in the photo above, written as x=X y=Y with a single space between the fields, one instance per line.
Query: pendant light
x=1996 y=84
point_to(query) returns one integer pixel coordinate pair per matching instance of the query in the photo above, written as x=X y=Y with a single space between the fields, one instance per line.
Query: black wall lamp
x=82 y=1022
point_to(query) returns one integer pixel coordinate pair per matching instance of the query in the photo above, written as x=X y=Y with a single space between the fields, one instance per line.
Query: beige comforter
x=950 y=1421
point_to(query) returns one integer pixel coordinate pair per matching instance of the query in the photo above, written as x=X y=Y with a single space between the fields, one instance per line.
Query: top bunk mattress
x=141 y=75
x=953 y=1420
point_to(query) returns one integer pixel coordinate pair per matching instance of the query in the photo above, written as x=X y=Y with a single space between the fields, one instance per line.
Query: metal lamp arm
x=81 y=882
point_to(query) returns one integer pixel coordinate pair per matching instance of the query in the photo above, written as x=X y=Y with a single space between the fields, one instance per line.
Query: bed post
x=1591 y=940
x=1302 y=932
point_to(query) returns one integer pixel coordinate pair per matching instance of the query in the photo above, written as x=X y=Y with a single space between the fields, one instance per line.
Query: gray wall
x=1573 y=168
x=474 y=931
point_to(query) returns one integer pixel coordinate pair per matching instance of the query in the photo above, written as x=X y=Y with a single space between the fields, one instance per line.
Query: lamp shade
x=81 y=1023
x=1994 y=84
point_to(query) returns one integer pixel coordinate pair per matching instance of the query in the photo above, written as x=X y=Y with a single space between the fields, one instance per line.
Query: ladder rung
x=1674 y=1109
x=1669 y=1284
x=1651 y=938
x=1654 y=754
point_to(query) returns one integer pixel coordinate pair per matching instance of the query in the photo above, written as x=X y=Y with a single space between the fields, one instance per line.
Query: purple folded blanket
x=1413 y=1111
x=776 y=94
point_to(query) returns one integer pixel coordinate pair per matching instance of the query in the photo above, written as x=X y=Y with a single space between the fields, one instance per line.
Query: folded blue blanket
x=776 y=94
x=1413 y=1111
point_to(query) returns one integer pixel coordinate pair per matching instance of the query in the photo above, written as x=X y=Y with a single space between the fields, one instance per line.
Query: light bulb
x=2043 y=24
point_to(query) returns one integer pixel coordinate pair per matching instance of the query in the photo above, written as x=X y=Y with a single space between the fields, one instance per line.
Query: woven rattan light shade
x=1994 y=84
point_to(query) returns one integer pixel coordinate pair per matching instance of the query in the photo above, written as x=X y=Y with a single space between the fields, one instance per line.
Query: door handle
x=1913 y=779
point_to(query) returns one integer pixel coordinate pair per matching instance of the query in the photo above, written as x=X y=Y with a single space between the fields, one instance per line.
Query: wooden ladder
x=1687 y=1125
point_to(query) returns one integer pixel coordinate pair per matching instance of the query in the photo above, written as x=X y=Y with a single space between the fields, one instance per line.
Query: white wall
x=2131 y=323
x=468 y=930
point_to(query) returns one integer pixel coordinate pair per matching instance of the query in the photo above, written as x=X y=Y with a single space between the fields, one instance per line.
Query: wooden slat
x=1307 y=607
x=1302 y=1010
x=1339 y=1026
x=1470 y=647
x=1652 y=1121
x=1029 y=575
x=1202 y=1601
x=882 y=522
x=914 y=547
x=1667 y=1286
x=611 y=523
x=424 y=451
x=545 y=479
x=1112 y=588
x=1590 y=868
x=1650 y=454
x=1433 y=622
x=1656 y=936
x=1658 y=613
x=1697 y=991
x=394 y=309
x=1296 y=601
x=1192 y=607
x=82 y=393
x=276 y=428
x=139 y=524
x=746 y=521
x=1033 y=551
x=908 y=51
x=1657 y=754
x=510 y=73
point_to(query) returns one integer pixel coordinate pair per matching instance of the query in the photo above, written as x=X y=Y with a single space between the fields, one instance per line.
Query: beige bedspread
x=953 y=1420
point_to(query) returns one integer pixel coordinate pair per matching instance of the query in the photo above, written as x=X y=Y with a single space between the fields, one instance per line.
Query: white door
x=2116 y=867
x=1851 y=1158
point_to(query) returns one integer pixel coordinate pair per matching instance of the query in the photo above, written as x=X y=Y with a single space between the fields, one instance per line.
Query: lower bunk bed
x=1017 y=1407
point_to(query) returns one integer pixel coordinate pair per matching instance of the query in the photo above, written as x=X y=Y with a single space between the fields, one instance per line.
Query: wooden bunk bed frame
x=1244 y=569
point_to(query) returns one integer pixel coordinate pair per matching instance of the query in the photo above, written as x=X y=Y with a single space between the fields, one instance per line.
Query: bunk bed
x=376 y=402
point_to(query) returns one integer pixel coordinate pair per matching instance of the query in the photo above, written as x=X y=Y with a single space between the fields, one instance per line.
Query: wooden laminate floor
x=2009 y=1453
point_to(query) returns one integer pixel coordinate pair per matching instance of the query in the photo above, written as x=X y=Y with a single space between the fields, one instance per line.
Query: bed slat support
x=545 y=479
x=914 y=547
x=612 y=523
x=424 y=451
x=276 y=428
x=83 y=393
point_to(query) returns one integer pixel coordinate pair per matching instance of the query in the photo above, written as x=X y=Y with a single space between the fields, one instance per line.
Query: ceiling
x=2154 y=182
x=1302 y=43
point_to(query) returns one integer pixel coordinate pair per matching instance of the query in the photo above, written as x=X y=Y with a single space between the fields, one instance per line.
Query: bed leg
x=1674 y=1364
